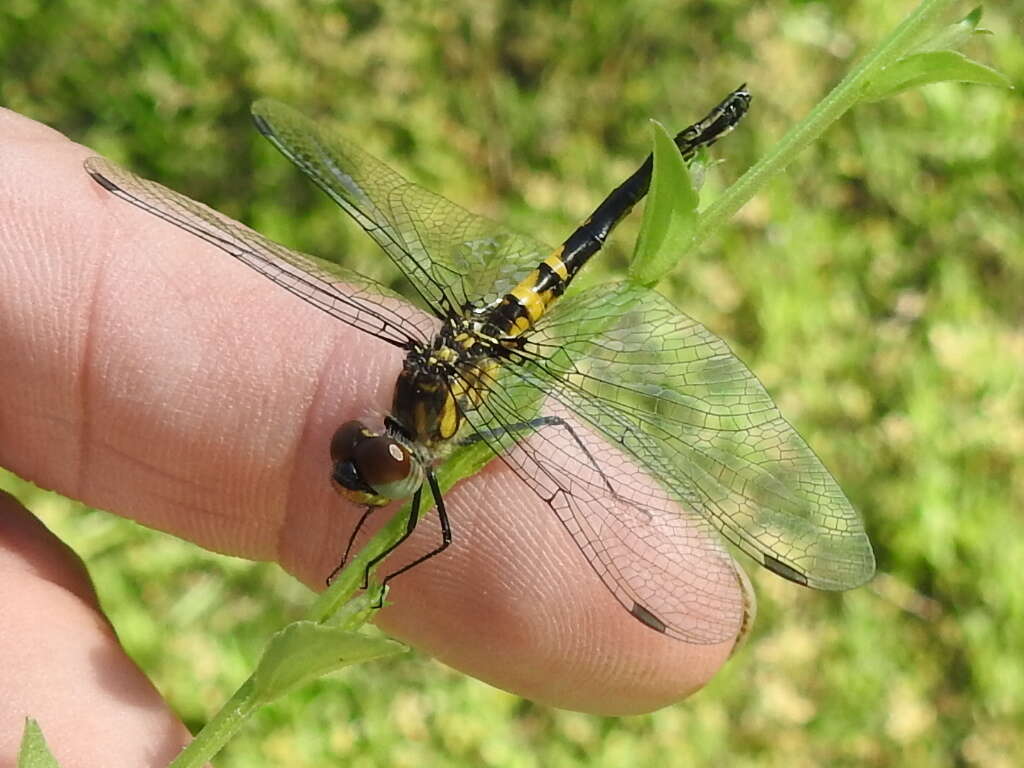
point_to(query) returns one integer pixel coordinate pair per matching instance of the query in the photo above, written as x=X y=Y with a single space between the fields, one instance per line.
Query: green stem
x=331 y=604
x=218 y=731
x=831 y=108
x=344 y=587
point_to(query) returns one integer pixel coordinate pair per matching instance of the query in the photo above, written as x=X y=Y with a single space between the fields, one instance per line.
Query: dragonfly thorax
x=439 y=383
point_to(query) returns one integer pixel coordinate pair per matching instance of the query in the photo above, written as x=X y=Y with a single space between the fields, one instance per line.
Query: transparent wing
x=662 y=562
x=690 y=443
x=450 y=255
x=341 y=293
x=691 y=413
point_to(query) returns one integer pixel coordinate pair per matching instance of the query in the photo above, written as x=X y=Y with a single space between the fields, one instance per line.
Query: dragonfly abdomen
x=519 y=309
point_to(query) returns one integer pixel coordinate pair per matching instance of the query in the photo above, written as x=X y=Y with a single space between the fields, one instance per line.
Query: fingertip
x=515 y=603
x=27 y=546
x=62 y=664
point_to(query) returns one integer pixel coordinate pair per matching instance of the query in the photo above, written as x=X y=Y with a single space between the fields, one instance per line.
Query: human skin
x=144 y=372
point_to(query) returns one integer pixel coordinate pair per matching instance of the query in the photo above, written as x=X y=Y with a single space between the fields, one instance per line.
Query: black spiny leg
x=414 y=517
x=348 y=547
x=446 y=530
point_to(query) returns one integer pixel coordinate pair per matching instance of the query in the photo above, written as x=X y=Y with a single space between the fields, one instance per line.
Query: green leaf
x=306 y=650
x=698 y=168
x=34 y=751
x=670 y=215
x=931 y=67
x=955 y=35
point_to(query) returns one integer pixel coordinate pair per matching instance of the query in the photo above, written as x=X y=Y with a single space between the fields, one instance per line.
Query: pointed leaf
x=34 y=751
x=955 y=35
x=670 y=214
x=932 y=67
x=306 y=650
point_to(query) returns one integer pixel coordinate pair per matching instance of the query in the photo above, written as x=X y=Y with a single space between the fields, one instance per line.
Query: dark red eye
x=381 y=461
x=345 y=439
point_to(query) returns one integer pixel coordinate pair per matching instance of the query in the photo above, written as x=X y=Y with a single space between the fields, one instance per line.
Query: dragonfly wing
x=339 y=292
x=479 y=259
x=450 y=255
x=687 y=410
x=667 y=568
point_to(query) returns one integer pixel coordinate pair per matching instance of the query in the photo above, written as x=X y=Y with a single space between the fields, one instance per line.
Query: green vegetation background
x=877 y=289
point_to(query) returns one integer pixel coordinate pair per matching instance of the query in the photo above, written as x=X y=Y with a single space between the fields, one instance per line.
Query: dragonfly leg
x=541 y=421
x=414 y=517
x=348 y=547
x=446 y=531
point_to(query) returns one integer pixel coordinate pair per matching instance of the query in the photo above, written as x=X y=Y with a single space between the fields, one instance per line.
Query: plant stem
x=350 y=580
x=232 y=716
x=844 y=96
x=218 y=731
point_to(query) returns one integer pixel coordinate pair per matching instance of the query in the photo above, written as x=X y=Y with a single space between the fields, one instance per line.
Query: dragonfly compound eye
x=345 y=439
x=353 y=451
x=370 y=468
x=381 y=462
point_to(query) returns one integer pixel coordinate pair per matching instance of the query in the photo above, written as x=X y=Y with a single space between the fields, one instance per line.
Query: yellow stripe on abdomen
x=557 y=265
x=536 y=291
x=526 y=294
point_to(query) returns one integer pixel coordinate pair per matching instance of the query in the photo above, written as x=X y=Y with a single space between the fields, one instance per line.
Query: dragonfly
x=648 y=439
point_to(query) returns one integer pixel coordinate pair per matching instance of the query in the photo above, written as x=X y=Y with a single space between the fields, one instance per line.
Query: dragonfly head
x=372 y=469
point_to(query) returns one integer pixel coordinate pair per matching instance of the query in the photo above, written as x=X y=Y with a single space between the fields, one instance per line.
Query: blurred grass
x=877 y=289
